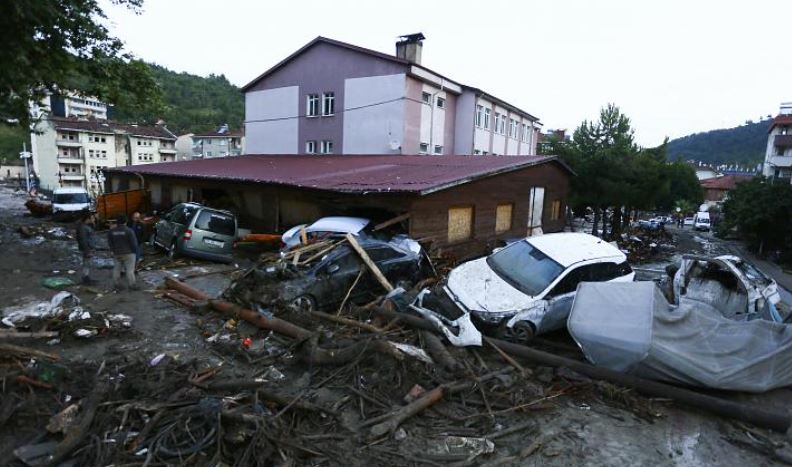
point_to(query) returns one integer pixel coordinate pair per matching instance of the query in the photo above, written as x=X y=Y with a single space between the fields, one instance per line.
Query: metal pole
x=27 y=173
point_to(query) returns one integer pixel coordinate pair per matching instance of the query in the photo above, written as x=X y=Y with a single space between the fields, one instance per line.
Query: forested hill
x=195 y=103
x=742 y=144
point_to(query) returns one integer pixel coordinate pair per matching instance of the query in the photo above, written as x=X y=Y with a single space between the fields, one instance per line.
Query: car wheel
x=173 y=252
x=521 y=333
x=153 y=239
x=304 y=304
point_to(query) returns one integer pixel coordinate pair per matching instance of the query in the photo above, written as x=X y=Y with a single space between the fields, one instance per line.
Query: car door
x=390 y=262
x=334 y=279
x=561 y=296
x=165 y=227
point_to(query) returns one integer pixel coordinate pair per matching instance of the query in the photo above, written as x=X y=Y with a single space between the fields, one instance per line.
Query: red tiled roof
x=110 y=127
x=347 y=173
x=725 y=182
x=780 y=120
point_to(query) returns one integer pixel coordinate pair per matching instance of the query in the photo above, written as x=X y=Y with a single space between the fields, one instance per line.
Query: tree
x=61 y=45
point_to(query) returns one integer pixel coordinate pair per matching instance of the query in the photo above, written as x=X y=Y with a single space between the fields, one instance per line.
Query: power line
x=264 y=120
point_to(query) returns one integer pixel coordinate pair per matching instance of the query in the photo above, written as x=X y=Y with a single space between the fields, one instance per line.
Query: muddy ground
x=575 y=421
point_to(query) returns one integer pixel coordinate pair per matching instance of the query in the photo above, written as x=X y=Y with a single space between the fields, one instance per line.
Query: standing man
x=137 y=228
x=123 y=244
x=86 y=243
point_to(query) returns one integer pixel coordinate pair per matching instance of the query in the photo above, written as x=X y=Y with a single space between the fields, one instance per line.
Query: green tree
x=62 y=45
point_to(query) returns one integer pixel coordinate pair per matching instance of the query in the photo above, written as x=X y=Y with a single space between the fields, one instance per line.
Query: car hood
x=478 y=288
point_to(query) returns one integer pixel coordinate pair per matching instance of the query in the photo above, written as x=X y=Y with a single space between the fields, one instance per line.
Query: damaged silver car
x=527 y=288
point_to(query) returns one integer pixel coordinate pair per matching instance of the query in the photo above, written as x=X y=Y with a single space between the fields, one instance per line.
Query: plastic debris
x=57 y=282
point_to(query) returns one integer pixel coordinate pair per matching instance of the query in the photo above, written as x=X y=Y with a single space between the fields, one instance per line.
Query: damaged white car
x=527 y=288
x=729 y=284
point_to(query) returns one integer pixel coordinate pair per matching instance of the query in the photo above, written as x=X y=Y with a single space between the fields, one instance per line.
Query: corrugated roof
x=110 y=127
x=346 y=173
x=725 y=182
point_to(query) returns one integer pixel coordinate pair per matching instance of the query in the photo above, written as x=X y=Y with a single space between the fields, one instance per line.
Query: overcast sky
x=674 y=67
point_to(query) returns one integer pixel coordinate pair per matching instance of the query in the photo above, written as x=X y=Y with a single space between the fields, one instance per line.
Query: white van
x=702 y=221
x=68 y=203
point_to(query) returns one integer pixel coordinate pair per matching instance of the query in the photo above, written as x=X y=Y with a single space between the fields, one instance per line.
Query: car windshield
x=70 y=198
x=216 y=222
x=525 y=267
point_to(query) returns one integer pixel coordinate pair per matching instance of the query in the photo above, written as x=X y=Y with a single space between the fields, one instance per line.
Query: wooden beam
x=366 y=259
x=390 y=222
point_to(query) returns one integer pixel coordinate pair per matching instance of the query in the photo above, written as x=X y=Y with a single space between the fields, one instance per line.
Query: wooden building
x=462 y=204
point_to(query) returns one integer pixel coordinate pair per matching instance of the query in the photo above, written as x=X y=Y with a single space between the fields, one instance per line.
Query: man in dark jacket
x=123 y=245
x=138 y=229
x=86 y=243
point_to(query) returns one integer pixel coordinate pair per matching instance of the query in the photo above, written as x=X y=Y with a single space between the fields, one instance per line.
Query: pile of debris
x=43 y=232
x=643 y=245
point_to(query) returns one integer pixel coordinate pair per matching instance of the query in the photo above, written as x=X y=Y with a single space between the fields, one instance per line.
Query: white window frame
x=312 y=105
x=310 y=147
x=423 y=148
x=441 y=102
x=426 y=98
x=328 y=104
x=479 y=115
x=327 y=146
x=487 y=113
x=438 y=149
x=513 y=128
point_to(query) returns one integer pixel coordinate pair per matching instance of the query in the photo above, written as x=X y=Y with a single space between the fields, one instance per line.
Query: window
x=438 y=149
x=486 y=118
x=424 y=148
x=91 y=153
x=512 y=128
x=460 y=224
x=328 y=104
x=440 y=103
x=426 y=98
x=503 y=217
x=479 y=115
x=312 y=105
x=500 y=123
x=216 y=222
x=383 y=254
x=555 y=210
x=476 y=152
x=310 y=147
x=525 y=267
x=327 y=147
x=104 y=154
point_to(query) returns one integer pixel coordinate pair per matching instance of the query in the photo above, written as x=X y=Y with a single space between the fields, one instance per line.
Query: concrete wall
x=12 y=172
x=465 y=123
x=370 y=129
x=271 y=121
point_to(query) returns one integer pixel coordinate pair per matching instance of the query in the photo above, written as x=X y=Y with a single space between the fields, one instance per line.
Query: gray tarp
x=630 y=327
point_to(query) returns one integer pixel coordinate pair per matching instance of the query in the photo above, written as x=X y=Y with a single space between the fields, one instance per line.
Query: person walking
x=86 y=243
x=137 y=228
x=123 y=244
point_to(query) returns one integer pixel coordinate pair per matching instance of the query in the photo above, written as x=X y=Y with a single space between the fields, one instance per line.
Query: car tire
x=173 y=251
x=521 y=333
x=153 y=238
x=304 y=304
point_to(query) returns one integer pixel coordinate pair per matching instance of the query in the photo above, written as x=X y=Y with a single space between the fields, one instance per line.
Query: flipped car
x=325 y=284
x=527 y=287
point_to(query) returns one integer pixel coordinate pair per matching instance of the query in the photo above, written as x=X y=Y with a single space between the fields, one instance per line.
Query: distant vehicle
x=326 y=283
x=527 y=287
x=191 y=229
x=702 y=221
x=338 y=227
x=688 y=221
x=68 y=203
x=651 y=224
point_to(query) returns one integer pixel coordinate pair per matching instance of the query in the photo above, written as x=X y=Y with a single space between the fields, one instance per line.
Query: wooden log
x=439 y=352
x=392 y=221
x=19 y=335
x=346 y=321
x=367 y=260
x=25 y=351
x=76 y=434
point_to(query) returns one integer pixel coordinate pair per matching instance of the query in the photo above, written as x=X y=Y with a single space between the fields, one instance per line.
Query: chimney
x=409 y=47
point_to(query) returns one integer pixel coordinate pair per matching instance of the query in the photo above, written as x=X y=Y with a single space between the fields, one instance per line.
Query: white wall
x=278 y=134
x=465 y=124
x=370 y=130
x=433 y=119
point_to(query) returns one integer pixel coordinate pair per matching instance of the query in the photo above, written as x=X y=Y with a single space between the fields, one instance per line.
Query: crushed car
x=633 y=329
x=326 y=282
x=336 y=227
x=527 y=287
x=728 y=283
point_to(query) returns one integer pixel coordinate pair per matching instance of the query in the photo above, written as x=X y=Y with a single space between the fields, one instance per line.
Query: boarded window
x=460 y=224
x=503 y=217
x=555 y=210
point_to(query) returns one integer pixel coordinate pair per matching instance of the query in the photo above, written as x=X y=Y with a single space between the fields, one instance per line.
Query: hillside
x=194 y=103
x=742 y=144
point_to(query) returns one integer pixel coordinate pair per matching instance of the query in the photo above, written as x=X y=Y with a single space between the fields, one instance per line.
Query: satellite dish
x=394 y=144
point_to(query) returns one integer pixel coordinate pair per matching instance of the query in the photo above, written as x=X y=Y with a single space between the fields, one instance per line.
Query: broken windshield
x=525 y=267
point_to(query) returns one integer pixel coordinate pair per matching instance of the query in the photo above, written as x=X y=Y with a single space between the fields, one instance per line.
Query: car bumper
x=209 y=256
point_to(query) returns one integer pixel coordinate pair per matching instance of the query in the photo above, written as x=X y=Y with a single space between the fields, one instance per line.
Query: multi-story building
x=778 y=156
x=74 y=152
x=333 y=97
x=70 y=105
x=220 y=143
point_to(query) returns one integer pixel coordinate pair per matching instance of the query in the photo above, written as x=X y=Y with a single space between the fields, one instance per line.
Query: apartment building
x=70 y=105
x=330 y=97
x=74 y=152
x=778 y=156
x=222 y=142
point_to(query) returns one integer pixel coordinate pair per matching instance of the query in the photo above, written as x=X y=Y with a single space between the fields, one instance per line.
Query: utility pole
x=25 y=155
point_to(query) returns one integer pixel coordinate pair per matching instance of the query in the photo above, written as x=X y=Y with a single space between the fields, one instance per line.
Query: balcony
x=68 y=143
x=167 y=150
x=72 y=177
x=782 y=141
x=71 y=159
x=780 y=161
